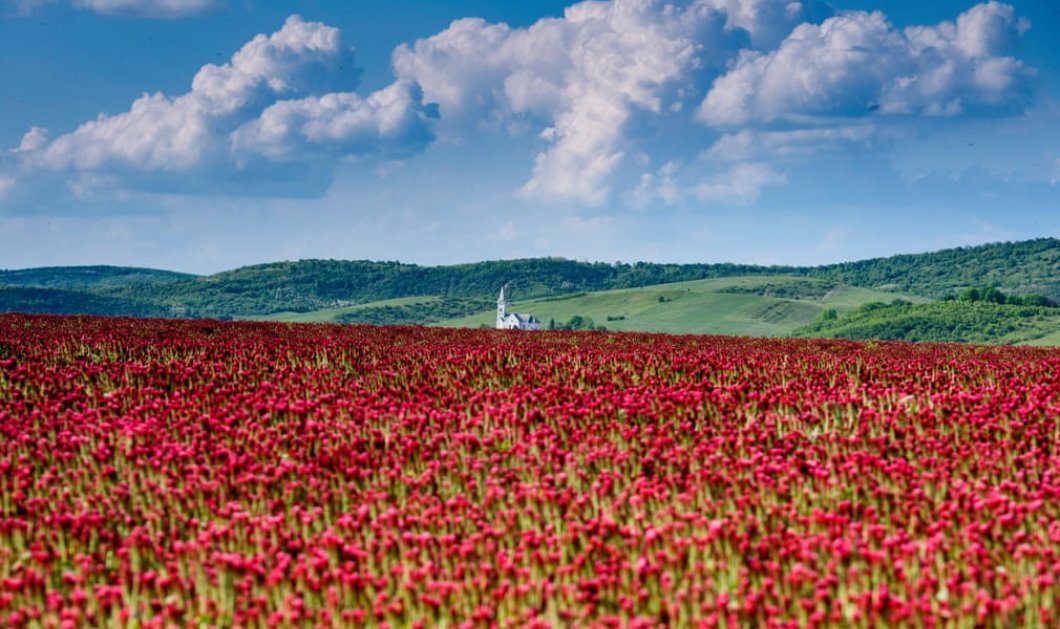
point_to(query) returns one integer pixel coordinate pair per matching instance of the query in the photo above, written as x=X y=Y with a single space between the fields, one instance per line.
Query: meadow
x=746 y=306
x=160 y=473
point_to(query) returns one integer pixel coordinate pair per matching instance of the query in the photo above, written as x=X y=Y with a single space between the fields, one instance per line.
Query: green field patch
x=732 y=305
x=333 y=315
x=1051 y=339
x=784 y=288
x=942 y=321
x=783 y=311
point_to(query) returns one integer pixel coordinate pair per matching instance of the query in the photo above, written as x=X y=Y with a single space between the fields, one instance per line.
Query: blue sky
x=202 y=135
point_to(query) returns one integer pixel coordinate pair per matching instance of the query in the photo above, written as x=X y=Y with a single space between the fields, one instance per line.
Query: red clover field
x=237 y=474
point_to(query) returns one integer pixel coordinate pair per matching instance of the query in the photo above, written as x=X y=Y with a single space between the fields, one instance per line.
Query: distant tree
x=989 y=294
x=1035 y=299
x=829 y=315
x=579 y=322
x=992 y=295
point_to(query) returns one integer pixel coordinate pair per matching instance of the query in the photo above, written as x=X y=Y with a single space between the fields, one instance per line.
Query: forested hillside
x=311 y=285
x=316 y=284
x=1031 y=266
x=939 y=321
x=91 y=277
x=36 y=300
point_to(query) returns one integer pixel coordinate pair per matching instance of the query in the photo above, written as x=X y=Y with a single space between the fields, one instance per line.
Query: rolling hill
x=735 y=298
x=37 y=300
x=746 y=306
x=942 y=321
x=310 y=285
x=1018 y=268
x=88 y=277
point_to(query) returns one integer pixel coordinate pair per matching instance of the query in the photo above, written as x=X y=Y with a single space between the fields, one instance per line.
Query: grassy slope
x=330 y=315
x=34 y=300
x=1049 y=340
x=314 y=285
x=389 y=292
x=1019 y=268
x=691 y=308
x=947 y=322
x=79 y=277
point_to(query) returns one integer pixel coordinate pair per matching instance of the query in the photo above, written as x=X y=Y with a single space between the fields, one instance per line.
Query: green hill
x=723 y=298
x=1017 y=268
x=738 y=306
x=403 y=310
x=35 y=300
x=88 y=277
x=942 y=322
x=311 y=285
x=1052 y=339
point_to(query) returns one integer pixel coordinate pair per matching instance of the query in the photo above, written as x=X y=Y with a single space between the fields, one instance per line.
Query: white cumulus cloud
x=741 y=184
x=389 y=121
x=767 y=22
x=735 y=184
x=34 y=139
x=137 y=8
x=661 y=185
x=273 y=100
x=750 y=144
x=743 y=83
x=584 y=76
x=857 y=63
x=147 y=8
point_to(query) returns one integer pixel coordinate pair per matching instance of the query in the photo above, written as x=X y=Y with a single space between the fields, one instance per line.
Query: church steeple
x=502 y=309
x=506 y=321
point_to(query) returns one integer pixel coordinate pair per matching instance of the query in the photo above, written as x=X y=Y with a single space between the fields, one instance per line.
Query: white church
x=512 y=321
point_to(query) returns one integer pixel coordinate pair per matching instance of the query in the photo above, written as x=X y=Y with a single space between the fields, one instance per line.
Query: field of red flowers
x=196 y=473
